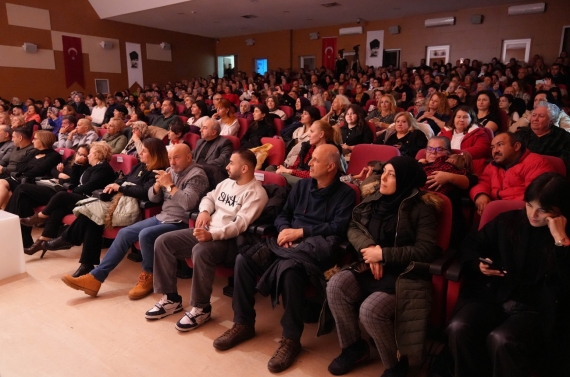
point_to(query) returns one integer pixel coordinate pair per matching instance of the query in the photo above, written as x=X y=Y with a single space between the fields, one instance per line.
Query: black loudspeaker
x=477 y=19
x=394 y=30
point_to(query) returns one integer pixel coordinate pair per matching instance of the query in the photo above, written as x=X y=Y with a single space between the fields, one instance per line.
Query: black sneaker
x=163 y=308
x=400 y=370
x=355 y=353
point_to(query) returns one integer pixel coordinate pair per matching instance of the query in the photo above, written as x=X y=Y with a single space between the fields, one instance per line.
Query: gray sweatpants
x=182 y=244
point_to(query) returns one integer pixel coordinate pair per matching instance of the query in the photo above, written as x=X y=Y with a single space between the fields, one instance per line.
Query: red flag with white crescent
x=73 y=61
x=329 y=52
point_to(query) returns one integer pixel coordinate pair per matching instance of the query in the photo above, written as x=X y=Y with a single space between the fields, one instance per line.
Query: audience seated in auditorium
x=30 y=164
x=97 y=115
x=487 y=108
x=311 y=225
x=181 y=187
x=389 y=230
x=83 y=133
x=114 y=136
x=562 y=119
x=511 y=317
x=167 y=115
x=513 y=168
x=320 y=133
x=225 y=115
x=543 y=137
x=136 y=184
x=212 y=241
x=200 y=113
x=91 y=171
x=383 y=115
x=6 y=145
x=466 y=135
x=406 y=135
x=140 y=132
x=355 y=130
x=262 y=126
x=245 y=111
x=23 y=147
x=336 y=114
x=437 y=112
x=176 y=132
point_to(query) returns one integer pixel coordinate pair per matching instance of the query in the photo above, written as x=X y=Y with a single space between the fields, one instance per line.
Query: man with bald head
x=180 y=189
x=310 y=227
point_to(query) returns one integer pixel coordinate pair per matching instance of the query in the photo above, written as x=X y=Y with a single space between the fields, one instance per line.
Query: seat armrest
x=144 y=204
x=265 y=229
x=454 y=271
x=69 y=186
x=438 y=266
x=194 y=215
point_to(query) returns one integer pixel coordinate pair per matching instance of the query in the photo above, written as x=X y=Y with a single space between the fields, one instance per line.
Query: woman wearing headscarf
x=245 y=112
x=394 y=233
x=134 y=146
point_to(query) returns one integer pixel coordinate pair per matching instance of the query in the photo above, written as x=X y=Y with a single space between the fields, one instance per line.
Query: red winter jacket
x=510 y=184
x=477 y=143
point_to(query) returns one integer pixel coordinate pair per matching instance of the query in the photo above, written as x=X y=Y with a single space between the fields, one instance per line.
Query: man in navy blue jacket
x=312 y=223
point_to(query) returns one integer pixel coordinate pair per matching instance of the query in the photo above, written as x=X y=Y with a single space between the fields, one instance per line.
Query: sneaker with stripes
x=163 y=308
x=193 y=319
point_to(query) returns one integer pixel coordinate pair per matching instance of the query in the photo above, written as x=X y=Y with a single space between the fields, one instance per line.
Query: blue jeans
x=146 y=232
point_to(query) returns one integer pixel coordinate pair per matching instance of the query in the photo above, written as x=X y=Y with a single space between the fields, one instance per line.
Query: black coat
x=37 y=167
x=94 y=178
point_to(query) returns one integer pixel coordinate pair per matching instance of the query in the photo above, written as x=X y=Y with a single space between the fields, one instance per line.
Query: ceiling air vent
x=249 y=16
x=330 y=5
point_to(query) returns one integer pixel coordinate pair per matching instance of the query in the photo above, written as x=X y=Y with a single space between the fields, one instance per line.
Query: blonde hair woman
x=406 y=135
x=383 y=115
x=437 y=112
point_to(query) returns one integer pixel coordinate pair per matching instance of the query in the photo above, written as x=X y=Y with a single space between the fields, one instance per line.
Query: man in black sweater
x=310 y=225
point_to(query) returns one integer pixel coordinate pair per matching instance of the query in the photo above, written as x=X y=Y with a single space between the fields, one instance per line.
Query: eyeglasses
x=435 y=150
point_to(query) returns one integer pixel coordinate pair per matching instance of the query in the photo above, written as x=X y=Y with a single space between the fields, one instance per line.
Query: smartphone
x=542 y=82
x=492 y=265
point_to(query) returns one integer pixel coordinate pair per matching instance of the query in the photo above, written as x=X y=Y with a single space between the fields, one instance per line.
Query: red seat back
x=557 y=164
x=181 y=108
x=65 y=153
x=279 y=124
x=191 y=138
x=183 y=118
x=363 y=153
x=235 y=141
x=101 y=131
x=372 y=127
x=276 y=155
x=497 y=207
x=288 y=110
x=268 y=178
x=504 y=126
x=370 y=102
x=243 y=126
x=322 y=110
x=123 y=162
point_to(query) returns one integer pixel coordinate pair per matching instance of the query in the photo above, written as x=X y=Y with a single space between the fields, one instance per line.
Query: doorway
x=307 y=62
x=226 y=64
x=518 y=49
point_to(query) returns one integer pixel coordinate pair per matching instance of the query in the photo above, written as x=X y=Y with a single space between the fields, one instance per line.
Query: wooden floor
x=49 y=329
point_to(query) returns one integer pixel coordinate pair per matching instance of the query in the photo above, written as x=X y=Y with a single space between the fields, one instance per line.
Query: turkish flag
x=329 y=52
x=73 y=61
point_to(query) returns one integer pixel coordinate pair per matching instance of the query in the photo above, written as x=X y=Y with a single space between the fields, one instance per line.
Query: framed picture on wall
x=102 y=86
x=437 y=54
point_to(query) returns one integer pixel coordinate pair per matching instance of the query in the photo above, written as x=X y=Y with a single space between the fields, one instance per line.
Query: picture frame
x=437 y=53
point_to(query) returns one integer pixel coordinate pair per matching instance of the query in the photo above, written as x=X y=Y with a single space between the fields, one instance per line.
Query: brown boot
x=33 y=220
x=143 y=287
x=86 y=283
x=232 y=337
x=284 y=356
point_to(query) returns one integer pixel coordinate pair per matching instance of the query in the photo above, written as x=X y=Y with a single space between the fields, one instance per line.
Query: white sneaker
x=163 y=308
x=193 y=319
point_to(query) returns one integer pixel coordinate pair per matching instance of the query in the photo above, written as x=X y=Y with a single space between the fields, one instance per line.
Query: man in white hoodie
x=224 y=213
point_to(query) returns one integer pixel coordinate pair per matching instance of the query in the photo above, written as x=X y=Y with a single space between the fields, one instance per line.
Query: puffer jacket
x=509 y=184
x=414 y=248
x=477 y=142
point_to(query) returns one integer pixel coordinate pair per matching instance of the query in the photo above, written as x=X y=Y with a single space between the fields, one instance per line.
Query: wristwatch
x=169 y=188
x=562 y=242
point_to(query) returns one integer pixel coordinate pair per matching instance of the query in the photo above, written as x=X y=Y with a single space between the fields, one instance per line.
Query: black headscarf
x=409 y=176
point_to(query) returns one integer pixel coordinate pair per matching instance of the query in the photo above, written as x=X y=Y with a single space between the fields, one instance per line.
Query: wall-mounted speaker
x=394 y=29
x=477 y=19
x=30 y=47
x=250 y=42
x=106 y=45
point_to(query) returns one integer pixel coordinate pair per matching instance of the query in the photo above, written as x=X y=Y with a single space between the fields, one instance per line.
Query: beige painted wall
x=191 y=55
x=481 y=42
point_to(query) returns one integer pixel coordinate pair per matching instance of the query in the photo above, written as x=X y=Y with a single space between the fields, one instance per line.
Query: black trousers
x=86 y=232
x=25 y=198
x=293 y=284
x=489 y=340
